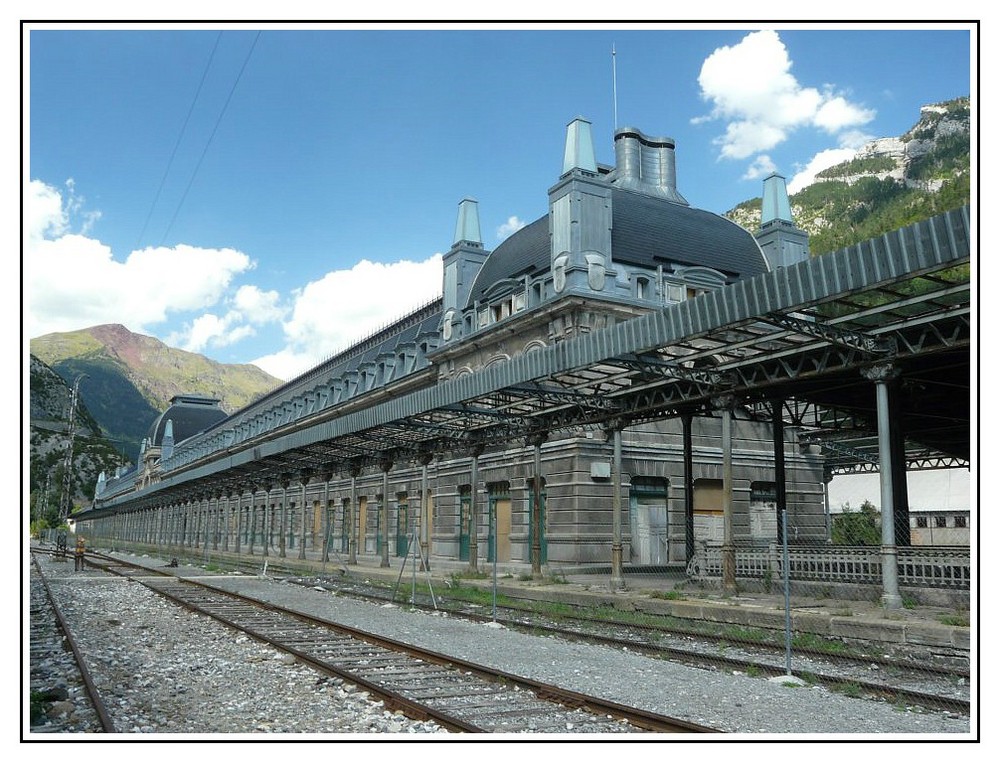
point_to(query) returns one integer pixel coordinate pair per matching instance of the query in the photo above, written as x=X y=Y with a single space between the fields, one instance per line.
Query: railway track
x=425 y=685
x=899 y=680
x=52 y=641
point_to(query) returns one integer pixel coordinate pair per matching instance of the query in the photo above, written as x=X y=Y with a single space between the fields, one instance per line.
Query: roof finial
x=775 y=204
x=467 y=227
x=579 y=147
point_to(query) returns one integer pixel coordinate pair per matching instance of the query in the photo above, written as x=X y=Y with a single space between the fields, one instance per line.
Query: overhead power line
x=210 y=137
x=180 y=137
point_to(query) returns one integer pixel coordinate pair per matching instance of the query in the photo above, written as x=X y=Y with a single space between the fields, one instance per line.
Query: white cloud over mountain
x=751 y=88
x=189 y=296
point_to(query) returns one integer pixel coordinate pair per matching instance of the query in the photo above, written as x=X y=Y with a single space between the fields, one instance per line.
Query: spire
x=167 y=445
x=775 y=204
x=781 y=240
x=579 y=147
x=467 y=227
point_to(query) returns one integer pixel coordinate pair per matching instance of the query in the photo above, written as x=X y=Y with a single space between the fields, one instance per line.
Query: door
x=464 y=523
x=541 y=522
x=708 y=510
x=345 y=526
x=500 y=523
x=402 y=525
x=364 y=542
x=648 y=521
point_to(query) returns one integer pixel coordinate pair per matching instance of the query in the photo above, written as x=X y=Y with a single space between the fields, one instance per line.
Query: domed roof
x=190 y=415
x=645 y=231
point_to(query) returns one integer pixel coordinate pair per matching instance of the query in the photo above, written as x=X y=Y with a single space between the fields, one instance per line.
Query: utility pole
x=40 y=501
x=66 y=499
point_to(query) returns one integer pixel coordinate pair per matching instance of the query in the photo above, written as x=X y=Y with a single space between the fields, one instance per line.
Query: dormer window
x=642 y=288
x=502 y=309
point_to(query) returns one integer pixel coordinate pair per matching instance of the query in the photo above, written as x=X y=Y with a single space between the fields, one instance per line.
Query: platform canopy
x=806 y=340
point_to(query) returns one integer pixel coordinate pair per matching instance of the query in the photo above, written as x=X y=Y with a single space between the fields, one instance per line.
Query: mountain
x=50 y=411
x=130 y=378
x=889 y=183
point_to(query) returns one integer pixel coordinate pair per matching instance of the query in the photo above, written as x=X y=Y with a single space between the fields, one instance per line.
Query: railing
x=924 y=567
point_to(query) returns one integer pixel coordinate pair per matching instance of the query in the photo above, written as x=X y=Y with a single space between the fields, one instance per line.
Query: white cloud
x=345 y=306
x=822 y=160
x=74 y=281
x=258 y=307
x=750 y=86
x=761 y=167
x=513 y=225
x=837 y=114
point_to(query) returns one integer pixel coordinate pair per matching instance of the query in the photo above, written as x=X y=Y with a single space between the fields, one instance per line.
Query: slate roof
x=189 y=419
x=646 y=231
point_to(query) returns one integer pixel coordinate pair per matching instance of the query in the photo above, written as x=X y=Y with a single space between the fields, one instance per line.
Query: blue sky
x=272 y=194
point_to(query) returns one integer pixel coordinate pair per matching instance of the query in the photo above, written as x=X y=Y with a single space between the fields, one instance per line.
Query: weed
x=668 y=595
x=848 y=689
x=753 y=671
x=809 y=678
x=818 y=643
x=38 y=706
x=767 y=580
x=962 y=621
x=909 y=602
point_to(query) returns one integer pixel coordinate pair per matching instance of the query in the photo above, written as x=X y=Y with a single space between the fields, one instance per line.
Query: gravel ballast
x=173 y=672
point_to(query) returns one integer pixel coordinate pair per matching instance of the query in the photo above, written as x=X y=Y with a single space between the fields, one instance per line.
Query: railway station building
x=626 y=382
x=616 y=243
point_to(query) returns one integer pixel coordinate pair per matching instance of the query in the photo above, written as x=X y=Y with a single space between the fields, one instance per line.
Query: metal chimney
x=646 y=164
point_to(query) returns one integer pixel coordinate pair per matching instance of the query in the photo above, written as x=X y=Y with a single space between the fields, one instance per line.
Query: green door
x=465 y=525
x=402 y=526
x=541 y=522
x=345 y=525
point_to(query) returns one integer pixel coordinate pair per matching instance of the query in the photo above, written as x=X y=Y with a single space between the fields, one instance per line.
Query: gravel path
x=171 y=672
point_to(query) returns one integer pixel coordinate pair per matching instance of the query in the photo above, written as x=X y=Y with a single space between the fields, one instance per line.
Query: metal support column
x=617 y=576
x=778 y=431
x=386 y=466
x=239 y=521
x=283 y=517
x=304 y=479
x=425 y=514
x=725 y=405
x=352 y=532
x=327 y=514
x=477 y=451
x=265 y=534
x=881 y=375
x=536 y=441
x=688 y=490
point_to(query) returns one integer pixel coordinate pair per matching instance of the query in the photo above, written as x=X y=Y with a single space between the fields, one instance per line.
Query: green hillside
x=130 y=378
x=891 y=183
x=48 y=439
